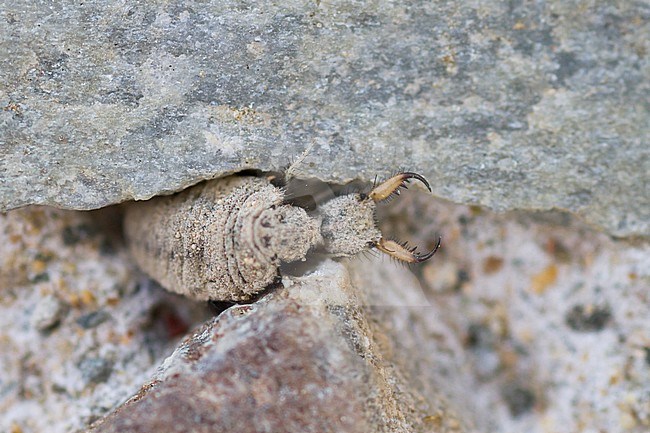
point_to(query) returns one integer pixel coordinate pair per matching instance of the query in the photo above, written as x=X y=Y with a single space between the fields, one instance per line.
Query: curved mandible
x=390 y=187
x=403 y=252
x=386 y=190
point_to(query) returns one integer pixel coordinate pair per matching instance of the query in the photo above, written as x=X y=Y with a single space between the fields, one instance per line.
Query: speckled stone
x=80 y=328
x=518 y=105
x=550 y=317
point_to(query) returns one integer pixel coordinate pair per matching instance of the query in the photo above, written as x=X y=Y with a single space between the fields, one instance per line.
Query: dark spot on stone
x=479 y=336
x=164 y=123
x=126 y=92
x=569 y=65
x=95 y=370
x=106 y=248
x=10 y=18
x=79 y=233
x=532 y=39
x=462 y=277
x=647 y=355
x=93 y=319
x=59 y=389
x=558 y=250
x=69 y=236
x=519 y=399
x=175 y=324
x=581 y=197
x=588 y=319
x=40 y=278
x=492 y=264
x=473 y=335
x=43 y=256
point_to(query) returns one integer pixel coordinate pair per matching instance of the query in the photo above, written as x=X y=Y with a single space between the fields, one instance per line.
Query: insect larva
x=225 y=239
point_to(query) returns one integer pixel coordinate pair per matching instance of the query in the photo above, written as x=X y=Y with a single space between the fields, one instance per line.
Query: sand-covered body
x=225 y=239
x=221 y=240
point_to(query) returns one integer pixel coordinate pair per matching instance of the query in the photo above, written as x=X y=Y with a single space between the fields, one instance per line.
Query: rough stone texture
x=523 y=323
x=507 y=104
x=303 y=359
x=520 y=323
x=553 y=316
x=78 y=334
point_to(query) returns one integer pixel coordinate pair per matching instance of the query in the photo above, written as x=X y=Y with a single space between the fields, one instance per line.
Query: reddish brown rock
x=303 y=359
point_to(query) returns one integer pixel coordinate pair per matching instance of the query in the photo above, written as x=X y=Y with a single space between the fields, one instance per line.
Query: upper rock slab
x=508 y=105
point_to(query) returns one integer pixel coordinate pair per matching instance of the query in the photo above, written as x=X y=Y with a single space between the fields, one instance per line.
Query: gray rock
x=508 y=105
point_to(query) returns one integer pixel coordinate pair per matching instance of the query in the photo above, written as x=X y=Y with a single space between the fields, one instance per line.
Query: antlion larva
x=225 y=239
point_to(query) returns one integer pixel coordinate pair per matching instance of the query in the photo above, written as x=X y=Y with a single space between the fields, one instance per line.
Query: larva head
x=349 y=223
x=286 y=233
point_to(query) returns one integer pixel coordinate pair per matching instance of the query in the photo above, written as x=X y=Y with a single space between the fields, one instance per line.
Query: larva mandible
x=224 y=239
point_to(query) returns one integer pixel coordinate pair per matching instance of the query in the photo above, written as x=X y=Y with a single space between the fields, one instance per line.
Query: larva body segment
x=220 y=240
